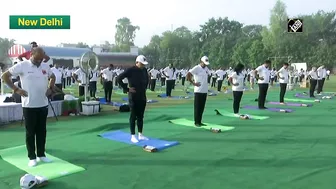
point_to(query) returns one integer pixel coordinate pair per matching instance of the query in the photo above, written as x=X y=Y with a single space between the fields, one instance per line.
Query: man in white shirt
x=198 y=76
x=228 y=72
x=108 y=75
x=169 y=74
x=262 y=74
x=322 y=74
x=68 y=76
x=80 y=77
x=313 y=77
x=220 y=77
x=94 y=75
x=328 y=74
x=283 y=76
x=252 y=78
x=58 y=76
x=153 y=75
x=213 y=78
x=273 y=75
x=183 y=75
x=34 y=76
x=163 y=78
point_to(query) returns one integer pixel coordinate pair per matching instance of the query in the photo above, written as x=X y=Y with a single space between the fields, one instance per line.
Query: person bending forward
x=237 y=80
x=200 y=82
x=138 y=80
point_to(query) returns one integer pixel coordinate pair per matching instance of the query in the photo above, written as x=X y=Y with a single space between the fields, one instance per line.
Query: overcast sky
x=93 y=22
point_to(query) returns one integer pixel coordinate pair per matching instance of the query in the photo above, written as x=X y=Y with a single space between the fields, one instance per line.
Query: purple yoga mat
x=291 y=104
x=269 y=109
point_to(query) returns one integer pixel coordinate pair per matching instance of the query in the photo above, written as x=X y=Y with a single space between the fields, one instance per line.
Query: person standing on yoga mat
x=262 y=74
x=322 y=74
x=313 y=77
x=169 y=74
x=237 y=80
x=198 y=76
x=35 y=77
x=138 y=80
x=283 y=76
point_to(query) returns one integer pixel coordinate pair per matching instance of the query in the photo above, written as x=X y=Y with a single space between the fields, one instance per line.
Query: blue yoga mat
x=118 y=104
x=175 y=97
x=123 y=137
x=148 y=101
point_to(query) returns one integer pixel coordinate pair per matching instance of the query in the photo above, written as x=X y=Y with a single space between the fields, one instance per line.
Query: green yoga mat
x=229 y=114
x=17 y=156
x=298 y=100
x=189 y=123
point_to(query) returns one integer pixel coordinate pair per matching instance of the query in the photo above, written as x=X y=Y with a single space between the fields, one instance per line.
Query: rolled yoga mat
x=17 y=156
x=285 y=110
x=291 y=104
x=229 y=114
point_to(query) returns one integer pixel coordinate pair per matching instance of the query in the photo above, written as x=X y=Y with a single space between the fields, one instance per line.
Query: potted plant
x=73 y=107
x=65 y=108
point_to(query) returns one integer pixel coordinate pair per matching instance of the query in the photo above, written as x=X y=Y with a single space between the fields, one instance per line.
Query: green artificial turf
x=291 y=151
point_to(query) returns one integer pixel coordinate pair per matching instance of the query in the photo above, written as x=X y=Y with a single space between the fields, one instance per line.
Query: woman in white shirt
x=237 y=80
x=312 y=75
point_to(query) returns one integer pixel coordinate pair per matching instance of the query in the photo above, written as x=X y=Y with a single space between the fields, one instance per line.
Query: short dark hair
x=285 y=64
x=268 y=62
x=33 y=43
x=111 y=65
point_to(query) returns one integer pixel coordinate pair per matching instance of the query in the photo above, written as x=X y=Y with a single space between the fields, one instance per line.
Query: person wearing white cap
x=198 y=76
x=137 y=85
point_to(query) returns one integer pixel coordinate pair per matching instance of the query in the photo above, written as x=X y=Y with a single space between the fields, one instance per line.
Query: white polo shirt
x=220 y=74
x=283 y=73
x=154 y=73
x=108 y=74
x=81 y=76
x=34 y=80
x=322 y=73
x=265 y=73
x=200 y=76
x=58 y=75
x=170 y=73
x=184 y=73
x=94 y=75
x=313 y=75
x=237 y=79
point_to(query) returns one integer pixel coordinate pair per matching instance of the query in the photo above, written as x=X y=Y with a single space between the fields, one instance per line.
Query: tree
x=82 y=45
x=125 y=34
x=5 y=45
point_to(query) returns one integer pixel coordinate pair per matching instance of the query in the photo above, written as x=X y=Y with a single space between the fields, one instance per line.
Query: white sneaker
x=141 y=137
x=32 y=163
x=44 y=159
x=134 y=139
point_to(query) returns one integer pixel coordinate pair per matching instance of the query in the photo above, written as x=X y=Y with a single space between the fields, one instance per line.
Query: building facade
x=70 y=56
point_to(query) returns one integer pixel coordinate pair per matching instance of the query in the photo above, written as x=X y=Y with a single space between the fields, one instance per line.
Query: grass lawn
x=287 y=151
